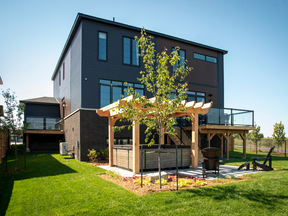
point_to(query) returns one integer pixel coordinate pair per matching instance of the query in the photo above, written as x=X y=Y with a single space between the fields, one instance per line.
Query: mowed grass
x=57 y=186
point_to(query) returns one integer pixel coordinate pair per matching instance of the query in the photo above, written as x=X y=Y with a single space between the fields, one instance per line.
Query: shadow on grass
x=38 y=165
x=259 y=196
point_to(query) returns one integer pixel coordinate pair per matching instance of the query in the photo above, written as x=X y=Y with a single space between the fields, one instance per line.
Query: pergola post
x=136 y=147
x=111 y=123
x=244 y=145
x=194 y=146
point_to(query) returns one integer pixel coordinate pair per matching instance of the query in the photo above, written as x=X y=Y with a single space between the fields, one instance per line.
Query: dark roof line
x=81 y=16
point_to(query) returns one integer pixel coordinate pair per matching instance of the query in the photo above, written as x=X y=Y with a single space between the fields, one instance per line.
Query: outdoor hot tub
x=123 y=157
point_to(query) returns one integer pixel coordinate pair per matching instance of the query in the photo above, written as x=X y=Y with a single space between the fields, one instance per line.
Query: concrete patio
x=225 y=170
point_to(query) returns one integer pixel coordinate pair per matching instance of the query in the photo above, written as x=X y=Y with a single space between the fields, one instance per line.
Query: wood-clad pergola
x=193 y=109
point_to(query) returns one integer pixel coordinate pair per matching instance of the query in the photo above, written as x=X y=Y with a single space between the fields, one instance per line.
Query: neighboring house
x=99 y=56
x=45 y=125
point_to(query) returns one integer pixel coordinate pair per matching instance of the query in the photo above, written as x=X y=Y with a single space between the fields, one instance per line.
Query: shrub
x=163 y=181
x=183 y=182
x=105 y=152
x=93 y=155
x=145 y=181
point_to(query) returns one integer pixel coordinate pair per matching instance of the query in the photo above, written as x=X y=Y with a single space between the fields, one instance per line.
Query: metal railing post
x=231 y=118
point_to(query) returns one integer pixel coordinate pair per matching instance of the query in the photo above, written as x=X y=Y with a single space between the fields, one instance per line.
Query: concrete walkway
x=225 y=170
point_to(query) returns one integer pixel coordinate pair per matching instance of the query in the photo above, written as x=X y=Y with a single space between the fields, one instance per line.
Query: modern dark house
x=99 y=60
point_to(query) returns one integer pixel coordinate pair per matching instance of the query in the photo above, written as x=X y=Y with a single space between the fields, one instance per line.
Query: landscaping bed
x=133 y=184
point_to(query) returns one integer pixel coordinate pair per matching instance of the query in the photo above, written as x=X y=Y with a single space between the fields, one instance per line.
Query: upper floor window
x=196 y=96
x=63 y=70
x=130 y=51
x=211 y=59
x=59 y=77
x=102 y=46
x=111 y=91
x=182 y=54
x=205 y=58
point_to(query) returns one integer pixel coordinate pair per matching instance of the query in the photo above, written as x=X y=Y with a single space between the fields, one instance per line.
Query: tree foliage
x=279 y=133
x=12 y=119
x=255 y=135
x=168 y=88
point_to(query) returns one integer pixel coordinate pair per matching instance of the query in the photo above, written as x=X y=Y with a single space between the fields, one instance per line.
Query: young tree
x=255 y=135
x=279 y=134
x=167 y=87
x=12 y=119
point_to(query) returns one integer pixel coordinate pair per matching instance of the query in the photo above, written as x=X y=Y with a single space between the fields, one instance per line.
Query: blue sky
x=254 y=32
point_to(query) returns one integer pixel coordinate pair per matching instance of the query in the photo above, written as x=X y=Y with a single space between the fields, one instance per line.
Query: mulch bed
x=131 y=185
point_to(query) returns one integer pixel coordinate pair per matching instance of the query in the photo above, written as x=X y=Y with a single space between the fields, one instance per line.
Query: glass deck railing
x=223 y=116
x=229 y=117
x=37 y=123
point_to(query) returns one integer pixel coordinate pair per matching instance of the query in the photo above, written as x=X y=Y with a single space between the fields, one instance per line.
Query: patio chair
x=263 y=165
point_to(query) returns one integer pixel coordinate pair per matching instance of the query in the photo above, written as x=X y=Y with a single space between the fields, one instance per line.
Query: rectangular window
x=59 y=77
x=102 y=46
x=130 y=51
x=205 y=58
x=105 y=95
x=211 y=59
x=126 y=51
x=199 y=56
x=138 y=86
x=63 y=70
x=140 y=92
x=182 y=54
x=135 y=52
x=111 y=91
x=117 y=92
x=195 y=96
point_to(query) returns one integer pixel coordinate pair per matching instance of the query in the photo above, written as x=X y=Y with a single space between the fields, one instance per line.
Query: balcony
x=225 y=117
x=37 y=123
x=228 y=117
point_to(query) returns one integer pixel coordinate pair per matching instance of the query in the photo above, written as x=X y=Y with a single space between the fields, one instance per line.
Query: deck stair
x=185 y=141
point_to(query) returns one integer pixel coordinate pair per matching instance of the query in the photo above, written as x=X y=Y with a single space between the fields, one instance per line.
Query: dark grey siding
x=75 y=71
x=42 y=110
x=220 y=68
x=112 y=69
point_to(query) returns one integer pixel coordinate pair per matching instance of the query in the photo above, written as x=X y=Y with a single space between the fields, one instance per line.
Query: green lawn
x=55 y=186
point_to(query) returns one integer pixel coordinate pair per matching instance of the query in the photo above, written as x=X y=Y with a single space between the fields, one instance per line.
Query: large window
x=102 y=46
x=130 y=51
x=205 y=58
x=182 y=54
x=111 y=91
x=196 y=96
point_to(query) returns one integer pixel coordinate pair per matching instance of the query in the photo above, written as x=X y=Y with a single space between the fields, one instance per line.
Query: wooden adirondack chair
x=263 y=165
